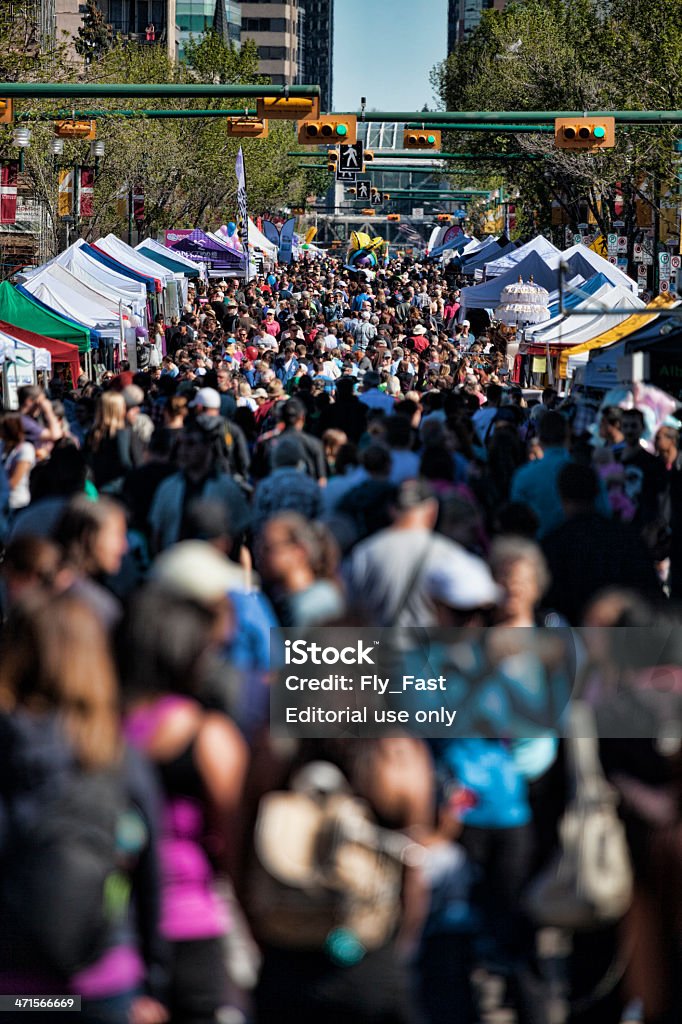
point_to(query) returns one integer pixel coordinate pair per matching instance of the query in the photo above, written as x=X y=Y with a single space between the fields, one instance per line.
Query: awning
x=21 y=309
x=168 y=262
x=60 y=351
x=622 y=330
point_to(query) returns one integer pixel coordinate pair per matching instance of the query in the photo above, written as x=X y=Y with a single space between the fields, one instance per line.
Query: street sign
x=622 y=245
x=364 y=186
x=612 y=241
x=588 y=239
x=347 y=176
x=622 y=263
x=461 y=213
x=418 y=212
x=664 y=285
x=376 y=199
x=351 y=157
x=675 y=262
x=619 y=223
x=642 y=271
x=637 y=252
x=613 y=260
x=577 y=239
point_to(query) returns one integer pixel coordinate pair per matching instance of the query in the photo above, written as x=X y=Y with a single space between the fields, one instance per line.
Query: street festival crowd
x=315 y=447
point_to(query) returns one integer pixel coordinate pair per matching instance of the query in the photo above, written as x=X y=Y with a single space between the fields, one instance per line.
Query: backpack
x=326 y=876
x=62 y=886
x=588 y=885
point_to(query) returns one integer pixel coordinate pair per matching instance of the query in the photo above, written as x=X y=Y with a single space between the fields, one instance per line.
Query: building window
x=272 y=52
x=264 y=25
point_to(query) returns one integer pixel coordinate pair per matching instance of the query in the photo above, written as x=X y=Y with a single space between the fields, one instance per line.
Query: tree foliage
x=573 y=55
x=94 y=37
x=185 y=165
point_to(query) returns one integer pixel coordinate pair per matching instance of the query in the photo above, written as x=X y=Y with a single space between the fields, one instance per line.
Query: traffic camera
x=587 y=133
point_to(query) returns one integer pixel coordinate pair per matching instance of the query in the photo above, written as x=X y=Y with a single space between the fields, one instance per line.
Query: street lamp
x=97 y=152
x=21 y=138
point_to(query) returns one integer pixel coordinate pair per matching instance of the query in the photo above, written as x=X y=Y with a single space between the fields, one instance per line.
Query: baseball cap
x=132 y=396
x=208 y=398
x=463 y=581
x=196 y=570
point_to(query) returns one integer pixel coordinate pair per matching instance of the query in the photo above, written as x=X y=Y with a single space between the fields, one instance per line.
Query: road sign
x=675 y=262
x=347 y=176
x=588 y=239
x=642 y=271
x=612 y=241
x=351 y=157
x=619 y=223
x=461 y=214
x=364 y=186
x=613 y=260
x=664 y=285
x=418 y=212
x=637 y=252
x=577 y=239
x=664 y=259
x=622 y=245
x=376 y=199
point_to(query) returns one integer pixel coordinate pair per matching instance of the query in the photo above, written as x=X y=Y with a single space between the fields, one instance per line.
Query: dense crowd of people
x=316 y=447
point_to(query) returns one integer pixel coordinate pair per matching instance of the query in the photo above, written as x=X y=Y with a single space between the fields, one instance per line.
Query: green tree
x=573 y=55
x=94 y=36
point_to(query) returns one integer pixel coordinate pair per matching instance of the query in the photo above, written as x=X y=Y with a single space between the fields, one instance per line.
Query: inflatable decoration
x=365 y=253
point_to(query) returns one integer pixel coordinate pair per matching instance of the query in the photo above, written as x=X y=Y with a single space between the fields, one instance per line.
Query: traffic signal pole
x=126 y=90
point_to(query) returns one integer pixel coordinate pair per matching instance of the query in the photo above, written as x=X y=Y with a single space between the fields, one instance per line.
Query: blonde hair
x=245 y=389
x=54 y=657
x=110 y=417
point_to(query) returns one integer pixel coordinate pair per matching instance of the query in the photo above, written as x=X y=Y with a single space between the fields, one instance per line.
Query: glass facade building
x=465 y=15
x=194 y=17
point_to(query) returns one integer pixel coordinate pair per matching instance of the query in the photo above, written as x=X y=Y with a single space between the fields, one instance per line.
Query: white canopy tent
x=14 y=351
x=585 y=255
x=500 y=265
x=171 y=254
x=68 y=302
x=129 y=257
x=576 y=328
x=97 y=276
x=95 y=295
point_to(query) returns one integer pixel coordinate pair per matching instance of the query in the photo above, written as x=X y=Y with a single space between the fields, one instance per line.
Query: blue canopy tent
x=470 y=267
x=488 y=294
x=120 y=268
x=455 y=243
x=168 y=262
x=573 y=298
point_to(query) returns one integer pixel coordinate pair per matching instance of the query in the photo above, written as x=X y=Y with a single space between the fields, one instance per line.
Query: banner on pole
x=86 y=192
x=65 y=194
x=242 y=208
x=8 y=191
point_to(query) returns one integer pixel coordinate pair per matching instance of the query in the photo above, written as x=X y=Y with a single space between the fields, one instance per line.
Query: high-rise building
x=465 y=15
x=278 y=29
x=148 y=22
x=294 y=39
x=318 y=47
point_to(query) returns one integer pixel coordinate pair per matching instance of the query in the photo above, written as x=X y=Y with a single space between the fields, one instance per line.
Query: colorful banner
x=271 y=232
x=8 y=191
x=242 y=207
x=286 y=241
x=65 y=194
x=86 y=192
x=197 y=246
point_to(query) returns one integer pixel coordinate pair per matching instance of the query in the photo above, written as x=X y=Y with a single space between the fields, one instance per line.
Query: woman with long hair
x=109 y=443
x=61 y=747
x=18 y=457
x=170 y=630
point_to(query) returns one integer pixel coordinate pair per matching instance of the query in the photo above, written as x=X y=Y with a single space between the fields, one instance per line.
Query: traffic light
x=329 y=129
x=369 y=156
x=395 y=217
x=75 y=129
x=385 y=196
x=588 y=133
x=281 y=108
x=368 y=212
x=424 y=139
x=352 y=191
x=332 y=159
x=247 y=128
x=444 y=218
x=6 y=111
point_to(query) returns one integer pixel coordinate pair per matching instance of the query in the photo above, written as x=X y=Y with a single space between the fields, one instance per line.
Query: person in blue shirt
x=536 y=483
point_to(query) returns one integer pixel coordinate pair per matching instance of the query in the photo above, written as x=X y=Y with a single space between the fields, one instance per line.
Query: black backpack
x=62 y=886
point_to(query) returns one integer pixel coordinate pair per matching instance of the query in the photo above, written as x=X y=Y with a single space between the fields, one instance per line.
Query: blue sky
x=385 y=49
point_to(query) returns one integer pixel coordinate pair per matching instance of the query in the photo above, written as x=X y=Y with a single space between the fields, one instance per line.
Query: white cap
x=207 y=398
x=463 y=581
x=194 y=569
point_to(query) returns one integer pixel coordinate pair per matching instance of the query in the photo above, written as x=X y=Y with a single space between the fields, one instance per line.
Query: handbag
x=588 y=884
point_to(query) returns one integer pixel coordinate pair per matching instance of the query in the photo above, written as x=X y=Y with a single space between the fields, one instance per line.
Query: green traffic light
x=599 y=132
x=341 y=129
x=431 y=139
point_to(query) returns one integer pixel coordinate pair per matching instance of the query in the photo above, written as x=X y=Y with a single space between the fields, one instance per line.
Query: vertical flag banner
x=86 y=192
x=271 y=232
x=242 y=216
x=65 y=194
x=138 y=203
x=286 y=240
x=8 y=191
